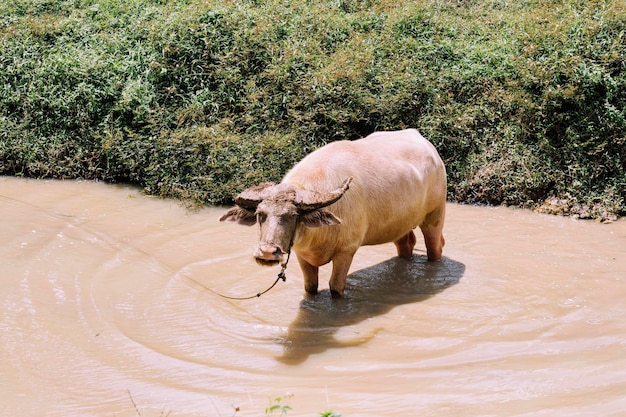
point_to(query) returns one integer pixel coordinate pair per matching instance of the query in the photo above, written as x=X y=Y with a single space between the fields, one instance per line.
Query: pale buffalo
x=345 y=195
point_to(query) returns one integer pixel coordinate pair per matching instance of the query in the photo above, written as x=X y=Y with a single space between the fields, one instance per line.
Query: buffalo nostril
x=269 y=251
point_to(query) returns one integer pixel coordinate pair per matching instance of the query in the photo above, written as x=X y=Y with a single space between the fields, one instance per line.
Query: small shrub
x=198 y=99
x=278 y=404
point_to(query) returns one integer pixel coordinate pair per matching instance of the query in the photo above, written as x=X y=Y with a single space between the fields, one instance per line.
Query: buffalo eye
x=262 y=216
x=287 y=218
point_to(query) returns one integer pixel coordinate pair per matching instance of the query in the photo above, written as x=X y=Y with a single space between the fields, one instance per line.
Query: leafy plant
x=197 y=99
x=278 y=404
x=330 y=414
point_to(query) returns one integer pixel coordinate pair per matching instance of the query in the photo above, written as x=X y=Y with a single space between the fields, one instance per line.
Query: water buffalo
x=345 y=195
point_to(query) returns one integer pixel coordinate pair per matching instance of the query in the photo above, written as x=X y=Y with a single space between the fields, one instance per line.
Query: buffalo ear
x=240 y=215
x=319 y=218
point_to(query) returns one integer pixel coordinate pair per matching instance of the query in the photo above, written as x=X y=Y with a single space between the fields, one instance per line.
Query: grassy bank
x=197 y=99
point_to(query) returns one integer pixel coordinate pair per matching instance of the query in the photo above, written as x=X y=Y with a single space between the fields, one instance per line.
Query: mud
x=108 y=307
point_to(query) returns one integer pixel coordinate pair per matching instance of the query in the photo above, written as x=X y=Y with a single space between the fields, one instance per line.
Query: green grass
x=197 y=99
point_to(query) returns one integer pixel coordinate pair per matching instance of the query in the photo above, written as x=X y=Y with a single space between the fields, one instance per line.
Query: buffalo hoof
x=336 y=294
x=312 y=290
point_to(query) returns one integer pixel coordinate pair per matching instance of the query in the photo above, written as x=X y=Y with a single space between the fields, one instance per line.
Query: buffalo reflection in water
x=370 y=292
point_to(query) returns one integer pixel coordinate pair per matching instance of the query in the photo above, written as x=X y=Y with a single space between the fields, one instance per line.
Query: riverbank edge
x=198 y=100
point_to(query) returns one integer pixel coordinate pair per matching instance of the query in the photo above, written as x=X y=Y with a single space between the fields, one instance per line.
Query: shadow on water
x=370 y=292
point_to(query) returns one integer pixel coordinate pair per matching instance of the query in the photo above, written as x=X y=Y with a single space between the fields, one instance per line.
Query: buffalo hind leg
x=432 y=228
x=434 y=244
x=341 y=266
x=405 y=245
x=310 y=273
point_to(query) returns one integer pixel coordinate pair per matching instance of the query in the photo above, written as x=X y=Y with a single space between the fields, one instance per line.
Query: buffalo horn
x=251 y=197
x=312 y=200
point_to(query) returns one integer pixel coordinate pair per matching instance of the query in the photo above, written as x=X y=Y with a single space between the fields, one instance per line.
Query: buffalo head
x=279 y=208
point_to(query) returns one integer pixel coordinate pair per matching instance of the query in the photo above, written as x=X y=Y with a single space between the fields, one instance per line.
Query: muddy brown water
x=105 y=311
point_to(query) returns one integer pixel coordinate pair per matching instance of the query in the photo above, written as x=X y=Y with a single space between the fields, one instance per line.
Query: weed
x=330 y=414
x=278 y=404
x=138 y=411
x=197 y=99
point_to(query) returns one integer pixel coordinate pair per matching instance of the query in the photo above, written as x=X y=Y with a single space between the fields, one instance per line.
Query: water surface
x=108 y=307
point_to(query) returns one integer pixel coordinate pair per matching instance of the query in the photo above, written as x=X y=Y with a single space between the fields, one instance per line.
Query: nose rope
x=281 y=275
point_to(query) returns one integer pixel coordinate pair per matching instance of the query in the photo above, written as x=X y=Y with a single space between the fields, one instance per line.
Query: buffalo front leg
x=310 y=274
x=341 y=266
x=405 y=245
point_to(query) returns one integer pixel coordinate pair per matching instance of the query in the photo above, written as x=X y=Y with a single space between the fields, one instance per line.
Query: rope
x=281 y=275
